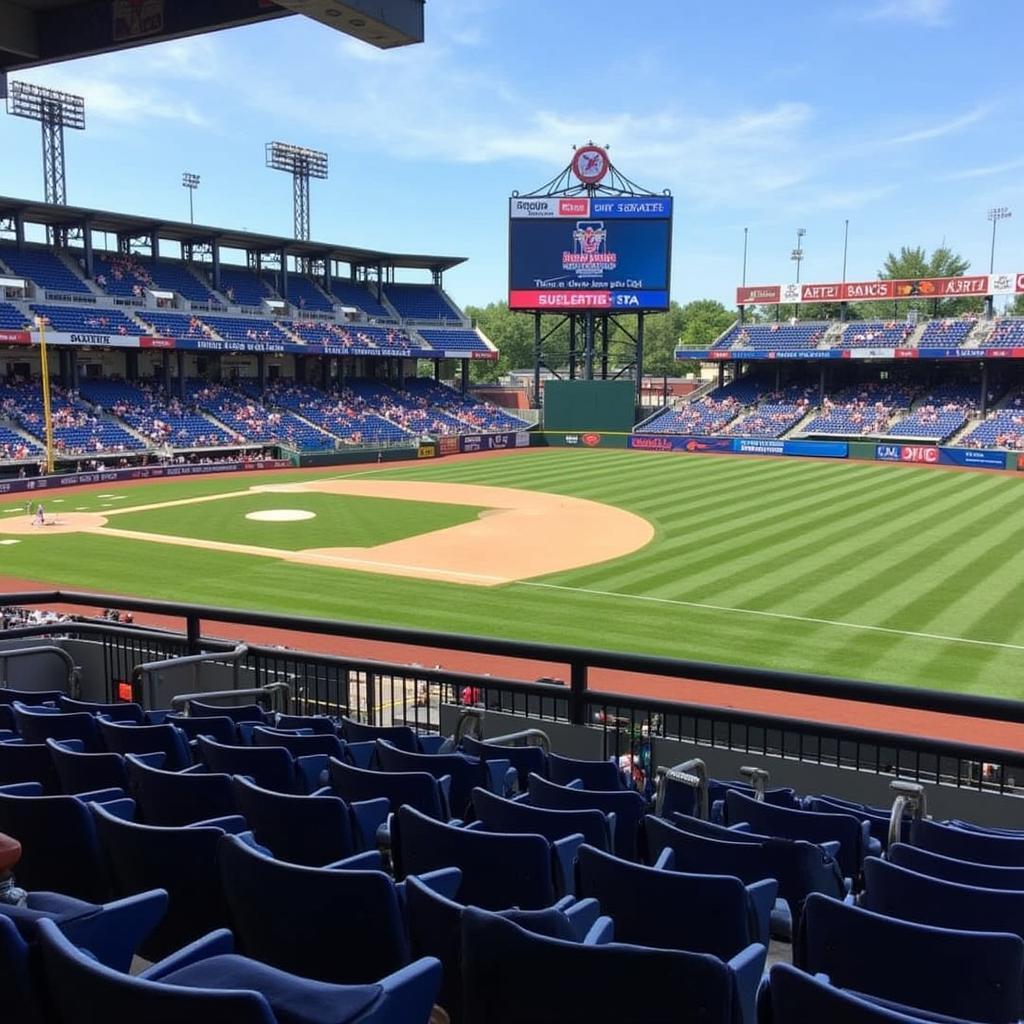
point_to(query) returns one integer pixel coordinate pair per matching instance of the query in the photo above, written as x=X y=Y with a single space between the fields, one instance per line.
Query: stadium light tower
x=55 y=111
x=191 y=182
x=302 y=164
x=797 y=254
x=996 y=214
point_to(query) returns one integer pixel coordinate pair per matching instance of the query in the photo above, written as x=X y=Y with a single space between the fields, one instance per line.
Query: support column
x=284 y=275
x=73 y=367
x=167 y=372
x=62 y=367
x=131 y=365
x=721 y=375
x=300 y=369
x=261 y=371
x=154 y=245
x=588 y=345
x=19 y=230
x=639 y=360
x=215 y=251
x=437 y=369
x=742 y=310
x=821 y=385
x=536 y=360
x=181 y=373
x=983 y=403
x=87 y=240
x=325 y=374
x=572 y=346
x=465 y=375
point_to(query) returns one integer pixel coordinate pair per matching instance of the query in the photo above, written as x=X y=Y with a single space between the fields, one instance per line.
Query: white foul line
x=773 y=615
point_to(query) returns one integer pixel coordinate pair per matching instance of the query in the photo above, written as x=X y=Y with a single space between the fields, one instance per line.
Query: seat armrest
x=116 y=930
x=582 y=914
x=195 y=769
x=763 y=895
x=431 y=743
x=445 y=784
x=22 y=789
x=601 y=932
x=831 y=847
x=564 y=851
x=368 y=816
x=371 y=860
x=311 y=770
x=213 y=944
x=75 y=746
x=666 y=859
x=123 y=808
x=748 y=965
x=411 y=992
x=494 y=773
x=156 y=759
x=101 y=796
x=361 y=754
x=233 y=824
x=444 y=881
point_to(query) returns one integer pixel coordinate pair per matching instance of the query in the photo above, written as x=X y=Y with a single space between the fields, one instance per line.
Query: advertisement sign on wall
x=738 y=445
x=933 y=455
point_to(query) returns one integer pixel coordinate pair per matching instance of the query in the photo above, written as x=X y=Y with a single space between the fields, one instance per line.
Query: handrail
x=529 y=738
x=909 y=796
x=693 y=773
x=142 y=675
x=272 y=690
x=70 y=682
x=759 y=778
x=861 y=691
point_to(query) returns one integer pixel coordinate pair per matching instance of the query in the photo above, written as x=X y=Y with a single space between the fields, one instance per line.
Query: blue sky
x=904 y=116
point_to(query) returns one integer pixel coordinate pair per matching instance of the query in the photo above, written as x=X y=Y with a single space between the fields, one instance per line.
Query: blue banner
x=637 y=206
x=974 y=457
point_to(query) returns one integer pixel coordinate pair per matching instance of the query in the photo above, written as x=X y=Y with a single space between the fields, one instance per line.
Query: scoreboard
x=590 y=252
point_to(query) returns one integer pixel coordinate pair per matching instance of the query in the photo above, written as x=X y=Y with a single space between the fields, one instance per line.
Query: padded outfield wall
x=589 y=405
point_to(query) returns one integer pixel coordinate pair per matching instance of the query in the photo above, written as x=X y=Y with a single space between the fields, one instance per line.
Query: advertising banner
x=493 y=442
x=973 y=457
x=738 y=445
x=48 y=483
x=876 y=291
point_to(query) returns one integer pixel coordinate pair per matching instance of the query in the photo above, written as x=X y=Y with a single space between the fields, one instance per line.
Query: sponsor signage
x=589 y=252
x=426 y=451
x=493 y=442
x=876 y=291
x=47 y=483
x=972 y=457
x=15 y=338
x=738 y=445
x=748 y=354
x=447 y=445
x=907 y=453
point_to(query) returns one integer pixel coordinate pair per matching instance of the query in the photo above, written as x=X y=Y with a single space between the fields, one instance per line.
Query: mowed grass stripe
x=783 y=536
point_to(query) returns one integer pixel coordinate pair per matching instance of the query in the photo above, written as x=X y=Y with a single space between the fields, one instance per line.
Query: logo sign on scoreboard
x=606 y=253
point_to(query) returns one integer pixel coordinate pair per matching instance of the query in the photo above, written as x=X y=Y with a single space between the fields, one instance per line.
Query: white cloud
x=919 y=12
x=956 y=124
x=984 y=172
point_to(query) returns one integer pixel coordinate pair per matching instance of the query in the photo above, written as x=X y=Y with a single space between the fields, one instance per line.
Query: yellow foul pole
x=45 y=381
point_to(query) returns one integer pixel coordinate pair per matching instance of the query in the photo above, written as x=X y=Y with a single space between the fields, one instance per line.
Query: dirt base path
x=523 y=534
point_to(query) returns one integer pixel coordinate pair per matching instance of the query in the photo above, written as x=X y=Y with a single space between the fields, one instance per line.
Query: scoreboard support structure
x=590 y=251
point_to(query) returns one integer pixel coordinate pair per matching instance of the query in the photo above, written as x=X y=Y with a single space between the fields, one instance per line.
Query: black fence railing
x=389 y=692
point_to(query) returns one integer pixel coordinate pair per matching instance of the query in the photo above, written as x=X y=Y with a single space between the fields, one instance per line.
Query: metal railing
x=45 y=651
x=393 y=693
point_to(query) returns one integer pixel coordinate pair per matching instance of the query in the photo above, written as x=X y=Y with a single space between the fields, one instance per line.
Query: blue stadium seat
x=420 y=790
x=555 y=981
x=950 y=869
x=181 y=860
x=496 y=814
x=309 y=830
x=177 y=798
x=902 y=962
x=341 y=926
x=964 y=844
x=208 y=983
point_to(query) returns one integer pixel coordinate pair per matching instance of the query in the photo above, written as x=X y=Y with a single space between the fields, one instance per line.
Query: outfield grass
x=339 y=520
x=895 y=573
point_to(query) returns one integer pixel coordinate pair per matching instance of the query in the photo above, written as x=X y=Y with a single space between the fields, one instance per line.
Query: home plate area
x=517 y=535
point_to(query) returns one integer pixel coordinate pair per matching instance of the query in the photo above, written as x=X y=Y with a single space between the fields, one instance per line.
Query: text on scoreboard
x=581 y=252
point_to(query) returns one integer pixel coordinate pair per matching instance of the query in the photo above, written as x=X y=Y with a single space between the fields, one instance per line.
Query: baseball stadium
x=346 y=678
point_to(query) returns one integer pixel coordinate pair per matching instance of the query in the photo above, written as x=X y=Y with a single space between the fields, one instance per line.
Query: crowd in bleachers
x=76 y=428
x=877 y=334
x=371 y=874
x=388 y=340
x=163 y=420
x=774 y=335
x=1003 y=428
x=861 y=409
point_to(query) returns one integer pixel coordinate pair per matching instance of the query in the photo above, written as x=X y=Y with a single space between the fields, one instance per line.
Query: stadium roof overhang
x=50 y=215
x=34 y=32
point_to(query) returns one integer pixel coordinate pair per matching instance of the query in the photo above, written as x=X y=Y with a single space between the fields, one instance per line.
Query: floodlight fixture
x=55 y=111
x=302 y=164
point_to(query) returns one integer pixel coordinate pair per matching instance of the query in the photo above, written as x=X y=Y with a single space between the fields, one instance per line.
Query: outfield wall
x=110 y=476
x=871 y=451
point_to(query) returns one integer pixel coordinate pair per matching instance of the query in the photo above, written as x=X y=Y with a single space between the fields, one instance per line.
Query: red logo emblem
x=591 y=440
